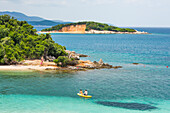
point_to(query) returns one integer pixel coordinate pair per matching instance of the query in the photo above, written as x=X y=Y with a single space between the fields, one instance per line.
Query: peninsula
x=22 y=48
x=89 y=28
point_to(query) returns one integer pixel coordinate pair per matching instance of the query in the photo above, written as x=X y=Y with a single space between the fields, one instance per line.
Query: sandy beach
x=24 y=68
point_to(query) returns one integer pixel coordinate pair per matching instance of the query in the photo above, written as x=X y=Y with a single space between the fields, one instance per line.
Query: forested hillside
x=19 y=41
x=92 y=26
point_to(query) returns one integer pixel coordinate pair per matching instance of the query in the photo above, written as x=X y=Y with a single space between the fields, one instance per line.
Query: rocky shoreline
x=113 y=32
x=96 y=32
x=48 y=65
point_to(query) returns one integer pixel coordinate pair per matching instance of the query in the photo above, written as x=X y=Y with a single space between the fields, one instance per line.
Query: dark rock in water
x=134 y=106
x=82 y=55
x=135 y=63
x=100 y=64
x=116 y=67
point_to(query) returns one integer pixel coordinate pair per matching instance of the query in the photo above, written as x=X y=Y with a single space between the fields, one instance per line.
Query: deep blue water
x=132 y=89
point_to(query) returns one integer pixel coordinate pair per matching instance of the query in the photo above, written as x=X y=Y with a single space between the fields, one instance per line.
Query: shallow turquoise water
x=148 y=83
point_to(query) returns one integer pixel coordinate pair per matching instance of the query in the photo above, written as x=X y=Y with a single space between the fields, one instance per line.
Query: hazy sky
x=149 y=13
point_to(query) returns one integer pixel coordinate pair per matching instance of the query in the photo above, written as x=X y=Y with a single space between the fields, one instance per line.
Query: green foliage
x=2 y=52
x=72 y=59
x=63 y=61
x=19 y=41
x=64 y=47
x=91 y=25
x=130 y=30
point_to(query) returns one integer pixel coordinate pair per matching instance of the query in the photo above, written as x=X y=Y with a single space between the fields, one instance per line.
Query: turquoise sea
x=143 y=88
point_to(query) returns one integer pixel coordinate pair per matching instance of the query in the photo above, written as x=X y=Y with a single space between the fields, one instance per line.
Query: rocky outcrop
x=95 y=65
x=82 y=31
x=100 y=62
x=75 y=64
x=36 y=63
x=135 y=63
x=113 y=32
x=50 y=58
x=73 y=54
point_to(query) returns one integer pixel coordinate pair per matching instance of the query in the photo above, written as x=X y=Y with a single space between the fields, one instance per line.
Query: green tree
x=91 y=25
x=19 y=41
x=62 y=61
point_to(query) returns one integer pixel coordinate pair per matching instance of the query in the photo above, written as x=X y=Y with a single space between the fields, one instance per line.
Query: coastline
x=22 y=68
x=37 y=64
x=94 y=32
x=27 y=65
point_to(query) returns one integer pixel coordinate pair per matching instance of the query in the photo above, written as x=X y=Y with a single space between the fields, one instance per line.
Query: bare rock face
x=74 y=29
x=67 y=51
x=73 y=54
x=100 y=62
x=50 y=58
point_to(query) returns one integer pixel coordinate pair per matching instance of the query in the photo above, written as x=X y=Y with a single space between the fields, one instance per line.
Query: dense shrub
x=19 y=41
x=73 y=62
x=63 y=61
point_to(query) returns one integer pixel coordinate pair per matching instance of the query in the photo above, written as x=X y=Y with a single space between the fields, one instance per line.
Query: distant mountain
x=33 y=20
x=21 y=16
x=46 y=23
